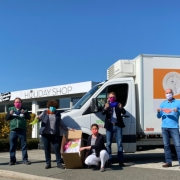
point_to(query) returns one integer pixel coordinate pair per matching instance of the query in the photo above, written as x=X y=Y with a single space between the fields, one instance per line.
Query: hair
x=170 y=89
x=95 y=125
x=53 y=103
x=112 y=93
x=17 y=98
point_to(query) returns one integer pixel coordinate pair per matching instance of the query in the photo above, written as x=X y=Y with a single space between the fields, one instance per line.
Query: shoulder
x=58 y=113
x=100 y=136
x=164 y=102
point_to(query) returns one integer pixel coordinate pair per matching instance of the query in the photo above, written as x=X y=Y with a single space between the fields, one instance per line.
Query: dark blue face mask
x=113 y=104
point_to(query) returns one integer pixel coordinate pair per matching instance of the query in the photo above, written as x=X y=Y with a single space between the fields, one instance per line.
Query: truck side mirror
x=94 y=105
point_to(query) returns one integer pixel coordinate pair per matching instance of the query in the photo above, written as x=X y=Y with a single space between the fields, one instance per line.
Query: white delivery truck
x=139 y=84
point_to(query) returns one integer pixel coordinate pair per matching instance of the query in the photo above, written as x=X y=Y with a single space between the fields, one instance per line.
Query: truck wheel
x=173 y=150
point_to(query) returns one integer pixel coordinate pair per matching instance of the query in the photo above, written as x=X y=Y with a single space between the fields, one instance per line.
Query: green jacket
x=17 y=121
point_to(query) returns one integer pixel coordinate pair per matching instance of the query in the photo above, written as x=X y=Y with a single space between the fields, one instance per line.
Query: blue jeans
x=14 y=135
x=174 y=133
x=110 y=131
x=49 y=139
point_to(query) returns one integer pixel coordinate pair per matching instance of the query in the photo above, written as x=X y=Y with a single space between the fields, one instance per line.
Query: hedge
x=5 y=128
x=32 y=143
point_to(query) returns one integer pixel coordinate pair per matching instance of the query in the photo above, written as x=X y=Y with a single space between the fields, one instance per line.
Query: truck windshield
x=86 y=97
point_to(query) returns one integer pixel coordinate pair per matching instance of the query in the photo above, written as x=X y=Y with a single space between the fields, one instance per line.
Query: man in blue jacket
x=169 y=111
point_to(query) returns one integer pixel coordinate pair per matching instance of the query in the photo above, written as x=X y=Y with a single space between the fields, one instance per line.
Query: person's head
x=17 y=103
x=52 y=105
x=112 y=97
x=169 y=94
x=94 y=129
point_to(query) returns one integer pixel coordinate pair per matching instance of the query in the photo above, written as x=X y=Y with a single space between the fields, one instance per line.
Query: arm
x=27 y=115
x=40 y=116
x=8 y=116
x=85 y=148
x=159 y=112
x=105 y=109
x=63 y=125
x=123 y=111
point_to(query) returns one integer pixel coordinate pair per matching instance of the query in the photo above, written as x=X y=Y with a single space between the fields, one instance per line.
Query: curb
x=23 y=176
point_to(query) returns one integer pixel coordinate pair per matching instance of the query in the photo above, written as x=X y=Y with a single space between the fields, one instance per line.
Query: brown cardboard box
x=72 y=160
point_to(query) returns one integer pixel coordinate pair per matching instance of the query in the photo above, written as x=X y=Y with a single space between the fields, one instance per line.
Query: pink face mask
x=112 y=99
x=17 y=105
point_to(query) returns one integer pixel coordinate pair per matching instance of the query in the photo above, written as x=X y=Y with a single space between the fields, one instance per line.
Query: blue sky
x=55 y=42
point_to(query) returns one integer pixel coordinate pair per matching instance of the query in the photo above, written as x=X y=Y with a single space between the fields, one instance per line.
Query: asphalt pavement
x=140 y=166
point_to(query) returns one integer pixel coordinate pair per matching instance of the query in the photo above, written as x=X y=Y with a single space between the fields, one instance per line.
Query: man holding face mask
x=113 y=125
x=18 y=116
x=169 y=111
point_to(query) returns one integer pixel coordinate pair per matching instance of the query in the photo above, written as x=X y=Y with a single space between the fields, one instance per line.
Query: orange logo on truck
x=164 y=79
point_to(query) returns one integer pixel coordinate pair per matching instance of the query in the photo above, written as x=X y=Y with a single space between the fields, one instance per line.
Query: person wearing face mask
x=50 y=123
x=96 y=150
x=169 y=111
x=17 y=115
x=113 y=125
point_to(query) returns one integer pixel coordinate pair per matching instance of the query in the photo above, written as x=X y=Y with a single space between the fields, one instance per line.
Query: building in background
x=35 y=100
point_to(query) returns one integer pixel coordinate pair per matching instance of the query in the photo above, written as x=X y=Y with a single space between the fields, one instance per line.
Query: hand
x=37 y=117
x=158 y=110
x=106 y=105
x=81 y=149
x=11 y=112
x=175 y=109
x=22 y=111
x=70 y=129
x=120 y=105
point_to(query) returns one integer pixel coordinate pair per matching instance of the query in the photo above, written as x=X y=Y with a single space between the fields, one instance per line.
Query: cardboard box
x=72 y=160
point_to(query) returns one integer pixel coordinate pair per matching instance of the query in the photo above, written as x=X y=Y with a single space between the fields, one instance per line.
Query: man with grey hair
x=169 y=111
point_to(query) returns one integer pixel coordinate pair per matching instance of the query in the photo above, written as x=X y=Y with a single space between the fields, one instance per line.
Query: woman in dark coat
x=50 y=123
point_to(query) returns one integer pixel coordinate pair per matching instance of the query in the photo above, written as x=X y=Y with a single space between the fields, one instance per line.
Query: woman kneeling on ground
x=96 y=149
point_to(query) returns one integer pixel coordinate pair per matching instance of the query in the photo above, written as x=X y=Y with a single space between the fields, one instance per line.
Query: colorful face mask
x=52 y=109
x=112 y=99
x=18 y=105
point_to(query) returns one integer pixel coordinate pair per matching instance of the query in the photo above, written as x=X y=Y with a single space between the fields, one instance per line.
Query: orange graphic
x=164 y=79
x=167 y=110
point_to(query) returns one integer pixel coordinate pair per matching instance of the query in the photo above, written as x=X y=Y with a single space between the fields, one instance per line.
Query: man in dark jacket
x=113 y=125
x=18 y=116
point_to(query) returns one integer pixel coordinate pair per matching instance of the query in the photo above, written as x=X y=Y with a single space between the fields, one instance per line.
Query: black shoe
x=122 y=164
x=27 y=162
x=12 y=163
x=60 y=166
x=48 y=166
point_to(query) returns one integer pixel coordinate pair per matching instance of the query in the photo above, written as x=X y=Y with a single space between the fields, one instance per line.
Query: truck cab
x=88 y=110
